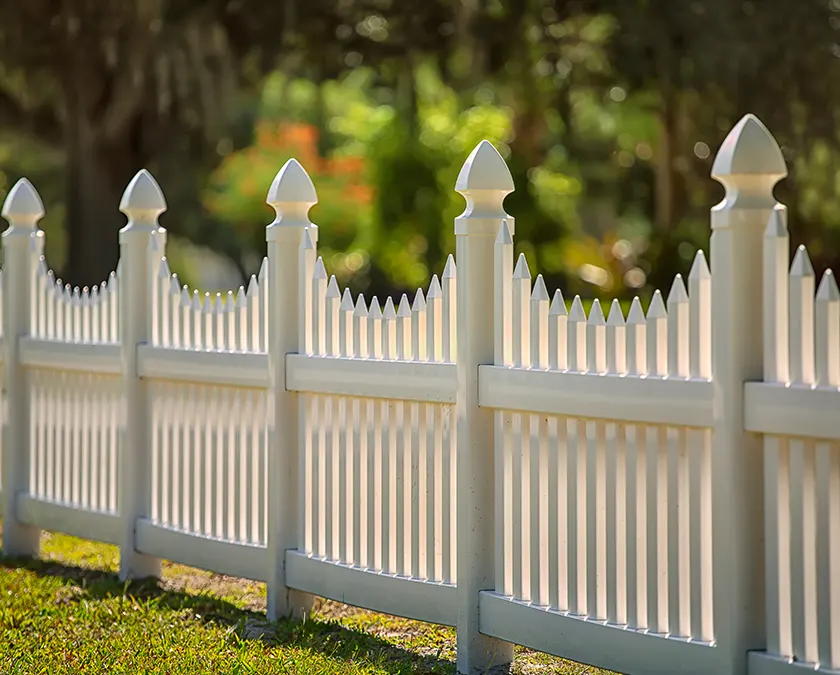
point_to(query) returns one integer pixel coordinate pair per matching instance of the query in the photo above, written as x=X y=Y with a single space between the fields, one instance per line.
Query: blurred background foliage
x=608 y=112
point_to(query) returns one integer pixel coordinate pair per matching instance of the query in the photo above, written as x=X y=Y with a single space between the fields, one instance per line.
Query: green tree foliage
x=608 y=111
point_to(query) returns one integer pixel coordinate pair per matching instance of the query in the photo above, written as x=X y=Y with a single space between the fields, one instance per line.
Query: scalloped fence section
x=655 y=492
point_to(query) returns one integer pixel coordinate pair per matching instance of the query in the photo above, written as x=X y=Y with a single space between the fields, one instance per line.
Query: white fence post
x=291 y=196
x=23 y=209
x=748 y=164
x=484 y=182
x=142 y=203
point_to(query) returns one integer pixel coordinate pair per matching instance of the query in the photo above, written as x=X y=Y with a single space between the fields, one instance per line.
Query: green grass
x=67 y=612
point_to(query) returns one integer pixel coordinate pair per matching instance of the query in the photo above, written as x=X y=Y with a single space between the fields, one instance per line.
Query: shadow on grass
x=326 y=637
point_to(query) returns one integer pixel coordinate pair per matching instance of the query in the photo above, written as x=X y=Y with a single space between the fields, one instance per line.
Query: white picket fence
x=655 y=493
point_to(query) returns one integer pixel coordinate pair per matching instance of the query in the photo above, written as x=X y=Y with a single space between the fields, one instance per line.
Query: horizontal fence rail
x=649 y=492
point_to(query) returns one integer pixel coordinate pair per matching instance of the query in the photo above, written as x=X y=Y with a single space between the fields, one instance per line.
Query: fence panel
x=794 y=408
x=587 y=468
x=605 y=520
x=378 y=473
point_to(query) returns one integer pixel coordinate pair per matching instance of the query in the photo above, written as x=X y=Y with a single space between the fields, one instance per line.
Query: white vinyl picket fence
x=650 y=493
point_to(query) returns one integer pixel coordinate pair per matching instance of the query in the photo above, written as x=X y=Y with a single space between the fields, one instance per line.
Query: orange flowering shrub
x=237 y=188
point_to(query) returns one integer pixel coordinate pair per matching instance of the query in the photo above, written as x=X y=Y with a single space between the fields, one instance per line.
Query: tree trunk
x=96 y=178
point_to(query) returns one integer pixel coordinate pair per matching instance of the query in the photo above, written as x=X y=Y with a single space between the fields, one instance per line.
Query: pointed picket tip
x=577 y=313
x=540 y=292
x=504 y=237
x=616 y=316
x=218 y=303
x=435 y=291
x=828 y=291
x=558 y=305
x=230 y=301
x=163 y=269
x=320 y=270
x=143 y=194
x=333 y=291
x=23 y=202
x=174 y=285
x=419 y=304
x=485 y=169
x=404 y=310
x=263 y=273
x=253 y=286
x=196 y=301
x=776 y=225
x=657 y=307
x=636 y=315
x=306 y=240
x=449 y=269
x=389 y=312
x=677 y=295
x=801 y=266
x=241 y=300
x=186 y=300
x=292 y=184
x=360 y=309
x=375 y=311
x=596 y=314
x=521 y=271
x=347 y=304
x=700 y=268
x=749 y=149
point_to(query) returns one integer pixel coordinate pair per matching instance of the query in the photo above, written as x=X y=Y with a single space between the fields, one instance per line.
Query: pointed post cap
x=291 y=195
x=484 y=181
x=484 y=169
x=23 y=206
x=142 y=202
x=749 y=149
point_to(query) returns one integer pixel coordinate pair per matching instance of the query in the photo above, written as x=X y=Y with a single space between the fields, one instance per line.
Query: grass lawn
x=68 y=613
